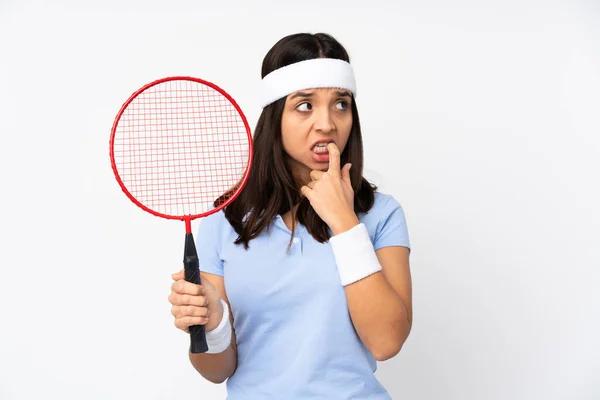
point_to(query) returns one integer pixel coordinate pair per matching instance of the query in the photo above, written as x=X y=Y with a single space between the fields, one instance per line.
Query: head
x=289 y=127
x=294 y=123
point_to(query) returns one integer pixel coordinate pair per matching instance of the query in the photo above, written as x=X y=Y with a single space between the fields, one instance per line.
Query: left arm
x=380 y=305
x=379 y=299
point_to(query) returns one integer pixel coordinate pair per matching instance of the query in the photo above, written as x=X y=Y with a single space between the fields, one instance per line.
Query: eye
x=344 y=105
x=300 y=107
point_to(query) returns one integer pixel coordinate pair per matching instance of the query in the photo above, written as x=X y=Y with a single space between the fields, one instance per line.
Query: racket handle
x=192 y=274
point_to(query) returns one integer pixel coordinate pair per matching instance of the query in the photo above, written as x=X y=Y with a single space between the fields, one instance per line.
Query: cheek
x=286 y=134
x=291 y=135
x=344 y=129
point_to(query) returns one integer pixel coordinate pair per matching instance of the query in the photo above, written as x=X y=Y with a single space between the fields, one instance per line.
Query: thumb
x=177 y=276
x=207 y=284
x=209 y=290
x=346 y=173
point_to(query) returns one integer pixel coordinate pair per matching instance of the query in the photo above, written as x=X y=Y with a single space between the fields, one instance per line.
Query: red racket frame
x=187 y=218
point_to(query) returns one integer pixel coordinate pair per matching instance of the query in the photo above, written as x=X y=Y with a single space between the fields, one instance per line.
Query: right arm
x=200 y=305
x=217 y=367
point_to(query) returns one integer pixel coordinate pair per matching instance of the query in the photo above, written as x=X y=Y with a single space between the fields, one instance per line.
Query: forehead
x=329 y=91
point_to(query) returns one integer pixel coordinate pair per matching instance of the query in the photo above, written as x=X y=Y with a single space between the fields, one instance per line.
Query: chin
x=318 y=165
x=309 y=164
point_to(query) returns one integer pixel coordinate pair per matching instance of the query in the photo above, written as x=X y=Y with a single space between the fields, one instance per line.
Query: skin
x=380 y=305
x=310 y=116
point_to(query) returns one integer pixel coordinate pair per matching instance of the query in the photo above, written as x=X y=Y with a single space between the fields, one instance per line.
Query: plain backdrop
x=481 y=118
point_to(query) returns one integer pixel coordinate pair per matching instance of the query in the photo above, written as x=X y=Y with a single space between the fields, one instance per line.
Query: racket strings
x=180 y=145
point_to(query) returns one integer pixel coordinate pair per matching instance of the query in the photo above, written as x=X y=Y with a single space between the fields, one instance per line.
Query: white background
x=482 y=118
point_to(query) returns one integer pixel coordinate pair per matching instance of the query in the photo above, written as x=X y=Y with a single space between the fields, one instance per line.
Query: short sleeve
x=392 y=229
x=208 y=243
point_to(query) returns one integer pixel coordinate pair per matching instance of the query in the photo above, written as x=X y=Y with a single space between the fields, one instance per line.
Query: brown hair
x=271 y=188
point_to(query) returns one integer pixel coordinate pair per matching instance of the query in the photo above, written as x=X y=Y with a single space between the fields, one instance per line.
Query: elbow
x=215 y=380
x=391 y=346
x=218 y=378
x=214 y=376
x=383 y=353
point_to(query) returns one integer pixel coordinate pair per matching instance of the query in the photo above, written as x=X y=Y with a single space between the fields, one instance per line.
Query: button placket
x=296 y=245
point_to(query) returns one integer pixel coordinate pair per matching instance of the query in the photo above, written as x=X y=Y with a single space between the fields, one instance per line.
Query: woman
x=305 y=276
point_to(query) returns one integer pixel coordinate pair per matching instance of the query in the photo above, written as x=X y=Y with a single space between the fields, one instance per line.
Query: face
x=311 y=119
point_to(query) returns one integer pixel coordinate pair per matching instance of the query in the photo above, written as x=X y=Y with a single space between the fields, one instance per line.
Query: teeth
x=320 y=148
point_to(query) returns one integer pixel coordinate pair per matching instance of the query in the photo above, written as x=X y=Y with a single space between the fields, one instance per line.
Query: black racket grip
x=192 y=274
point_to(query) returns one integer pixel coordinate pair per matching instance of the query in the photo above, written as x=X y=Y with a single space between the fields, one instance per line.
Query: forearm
x=215 y=367
x=379 y=315
x=220 y=361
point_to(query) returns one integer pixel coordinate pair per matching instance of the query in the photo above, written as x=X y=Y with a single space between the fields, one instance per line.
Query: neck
x=287 y=218
x=300 y=172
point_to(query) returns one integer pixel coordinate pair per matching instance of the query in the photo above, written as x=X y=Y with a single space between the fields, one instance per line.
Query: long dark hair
x=271 y=188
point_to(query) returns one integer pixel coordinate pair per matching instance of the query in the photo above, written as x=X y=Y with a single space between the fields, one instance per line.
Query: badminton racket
x=181 y=149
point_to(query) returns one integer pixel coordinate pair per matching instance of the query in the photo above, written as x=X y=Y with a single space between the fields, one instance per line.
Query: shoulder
x=214 y=220
x=214 y=226
x=386 y=221
x=383 y=205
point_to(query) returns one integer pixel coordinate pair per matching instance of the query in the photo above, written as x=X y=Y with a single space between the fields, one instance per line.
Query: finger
x=185 y=287
x=187 y=300
x=189 y=311
x=178 y=275
x=334 y=159
x=315 y=174
x=311 y=184
x=306 y=191
x=346 y=174
x=185 y=322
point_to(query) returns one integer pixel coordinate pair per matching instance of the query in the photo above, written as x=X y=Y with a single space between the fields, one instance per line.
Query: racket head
x=189 y=118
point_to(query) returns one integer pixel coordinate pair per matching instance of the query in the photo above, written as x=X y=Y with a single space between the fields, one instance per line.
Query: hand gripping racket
x=181 y=148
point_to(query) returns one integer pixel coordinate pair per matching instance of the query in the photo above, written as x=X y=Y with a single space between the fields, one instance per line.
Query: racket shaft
x=192 y=274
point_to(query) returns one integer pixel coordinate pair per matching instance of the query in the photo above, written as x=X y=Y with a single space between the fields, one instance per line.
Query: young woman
x=305 y=276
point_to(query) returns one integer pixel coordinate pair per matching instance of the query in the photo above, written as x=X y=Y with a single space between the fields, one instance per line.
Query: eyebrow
x=341 y=93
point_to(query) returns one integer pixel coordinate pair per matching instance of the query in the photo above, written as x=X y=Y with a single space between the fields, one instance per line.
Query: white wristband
x=219 y=339
x=354 y=254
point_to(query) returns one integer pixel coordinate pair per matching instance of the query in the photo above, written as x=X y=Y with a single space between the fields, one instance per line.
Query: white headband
x=315 y=73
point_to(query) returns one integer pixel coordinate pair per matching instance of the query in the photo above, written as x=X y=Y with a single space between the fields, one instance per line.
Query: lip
x=321 y=141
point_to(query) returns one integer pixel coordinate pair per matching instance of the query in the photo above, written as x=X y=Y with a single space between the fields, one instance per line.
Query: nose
x=323 y=121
